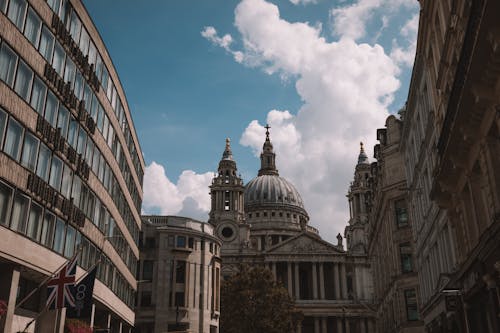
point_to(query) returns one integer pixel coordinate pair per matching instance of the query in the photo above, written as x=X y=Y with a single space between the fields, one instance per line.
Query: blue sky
x=331 y=70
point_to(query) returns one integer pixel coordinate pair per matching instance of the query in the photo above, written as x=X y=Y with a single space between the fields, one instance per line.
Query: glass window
x=59 y=57
x=100 y=118
x=32 y=28
x=17 y=10
x=30 y=151
x=113 y=99
x=56 y=173
x=63 y=120
x=19 y=212
x=87 y=96
x=105 y=128
x=59 y=236
x=3 y=5
x=88 y=152
x=72 y=132
x=46 y=44
x=23 y=80
x=95 y=160
x=35 y=222
x=69 y=71
x=105 y=77
x=69 y=247
x=180 y=274
x=51 y=108
x=47 y=234
x=92 y=53
x=84 y=42
x=82 y=140
x=98 y=66
x=5 y=202
x=54 y=4
x=111 y=133
x=38 y=95
x=8 y=60
x=66 y=181
x=411 y=304
x=181 y=241
x=13 y=139
x=77 y=188
x=406 y=257
x=42 y=168
x=94 y=108
x=75 y=27
x=78 y=90
x=147 y=270
x=401 y=213
x=3 y=120
x=110 y=89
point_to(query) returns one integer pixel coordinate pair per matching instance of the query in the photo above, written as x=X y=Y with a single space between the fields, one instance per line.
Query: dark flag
x=82 y=294
x=59 y=287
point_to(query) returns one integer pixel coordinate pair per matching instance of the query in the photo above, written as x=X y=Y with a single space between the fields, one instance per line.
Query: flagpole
x=88 y=271
x=47 y=279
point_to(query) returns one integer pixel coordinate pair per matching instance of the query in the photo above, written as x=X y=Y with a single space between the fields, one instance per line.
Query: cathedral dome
x=272 y=190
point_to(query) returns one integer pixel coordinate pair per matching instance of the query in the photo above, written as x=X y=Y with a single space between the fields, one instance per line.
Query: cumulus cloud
x=189 y=197
x=210 y=33
x=303 y=2
x=406 y=55
x=346 y=88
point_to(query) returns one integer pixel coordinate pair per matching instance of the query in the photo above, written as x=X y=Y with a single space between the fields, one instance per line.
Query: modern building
x=71 y=166
x=265 y=223
x=379 y=193
x=179 y=276
x=450 y=143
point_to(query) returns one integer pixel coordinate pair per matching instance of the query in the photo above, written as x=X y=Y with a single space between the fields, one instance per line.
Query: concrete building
x=179 y=276
x=381 y=188
x=71 y=167
x=265 y=223
x=450 y=142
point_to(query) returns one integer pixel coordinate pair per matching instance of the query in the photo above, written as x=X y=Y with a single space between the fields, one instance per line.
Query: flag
x=59 y=288
x=82 y=294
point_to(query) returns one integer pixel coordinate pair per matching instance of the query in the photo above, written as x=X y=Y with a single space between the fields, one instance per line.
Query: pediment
x=304 y=243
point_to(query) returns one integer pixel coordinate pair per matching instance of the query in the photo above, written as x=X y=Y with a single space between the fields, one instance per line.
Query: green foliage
x=252 y=302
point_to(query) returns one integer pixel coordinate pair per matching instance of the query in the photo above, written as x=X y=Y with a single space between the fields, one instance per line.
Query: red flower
x=77 y=326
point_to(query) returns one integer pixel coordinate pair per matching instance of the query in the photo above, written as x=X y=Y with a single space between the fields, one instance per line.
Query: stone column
x=8 y=291
x=290 y=283
x=316 y=325
x=297 y=286
x=315 y=281
x=336 y=278
x=321 y=281
x=340 y=328
x=343 y=277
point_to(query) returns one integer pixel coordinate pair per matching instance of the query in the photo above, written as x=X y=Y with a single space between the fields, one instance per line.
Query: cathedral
x=265 y=223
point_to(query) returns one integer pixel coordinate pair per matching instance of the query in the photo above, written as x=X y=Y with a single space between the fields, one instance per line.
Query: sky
x=324 y=74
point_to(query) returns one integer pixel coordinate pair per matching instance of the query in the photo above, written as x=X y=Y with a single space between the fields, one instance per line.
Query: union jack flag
x=59 y=288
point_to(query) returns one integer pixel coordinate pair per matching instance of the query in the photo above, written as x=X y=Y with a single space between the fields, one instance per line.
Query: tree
x=252 y=302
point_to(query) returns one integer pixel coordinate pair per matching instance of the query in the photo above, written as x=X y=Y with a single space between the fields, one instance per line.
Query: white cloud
x=406 y=55
x=346 y=88
x=225 y=41
x=303 y=2
x=189 y=197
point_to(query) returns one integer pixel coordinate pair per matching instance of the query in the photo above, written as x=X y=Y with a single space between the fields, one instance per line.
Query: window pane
x=51 y=109
x=77 y=187
x=23 y=80
x=69 y=71
x=46 y=44
x=69 y=247
x=94 y=108
x=59 y=236
x=74 y=27
x=42 y=168
x=38 y=95
x=3 y=120
x=19 y=212
x=401 y=213
x=17 y=9
x=56 y=173
x=34 y=222
x=92 y=53
x=5 y=202
x=78 y=85
x=82 y=140
x=47 y=235
x=411 y=304
x=98 y=66
x=30 y=151
x=84 y=42
x=62 y=120
x=32 y=28
x=104 y=80
x=100 y=119
x=8 y=60
x=13 y=139
x=3 y=5
x=66 y=182
x=59 y=57
x=54 y=4
x=88 y=152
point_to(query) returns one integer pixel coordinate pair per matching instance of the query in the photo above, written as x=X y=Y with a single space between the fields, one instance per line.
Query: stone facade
x=450 y=143
x=70 y=165
x=179 y=276
x=265 y=223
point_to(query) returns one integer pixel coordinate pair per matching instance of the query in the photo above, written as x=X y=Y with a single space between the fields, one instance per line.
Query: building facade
x=451 y=146
x=179 y=276
x=265 y=223
x=71 y=167
x=380 y=189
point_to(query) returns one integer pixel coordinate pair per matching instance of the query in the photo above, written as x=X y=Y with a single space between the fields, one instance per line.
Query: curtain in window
x=59 y=236
x=42 y=168
x=75 y=27
x=32 y=28
x=47 y=234
x=58 y=61
x=55 y=173
x=23 y=80
x=78 y=85
x=38 y=95
x=54 y=4
x=69 y=247
x=34 y=222
x=69 y=72
x=62 y=120
x=19 y=213
x=46 y=44
x=5 y=199
x=30 y=151
x=17 y=8
x=13 y=139
x=8 y=61
x=51 y=109
x=66 y=182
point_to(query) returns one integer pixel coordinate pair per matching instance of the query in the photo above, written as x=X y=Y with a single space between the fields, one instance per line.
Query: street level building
x=71 y=167
x=451 y=145
x=265 y=223
x=179 y=276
